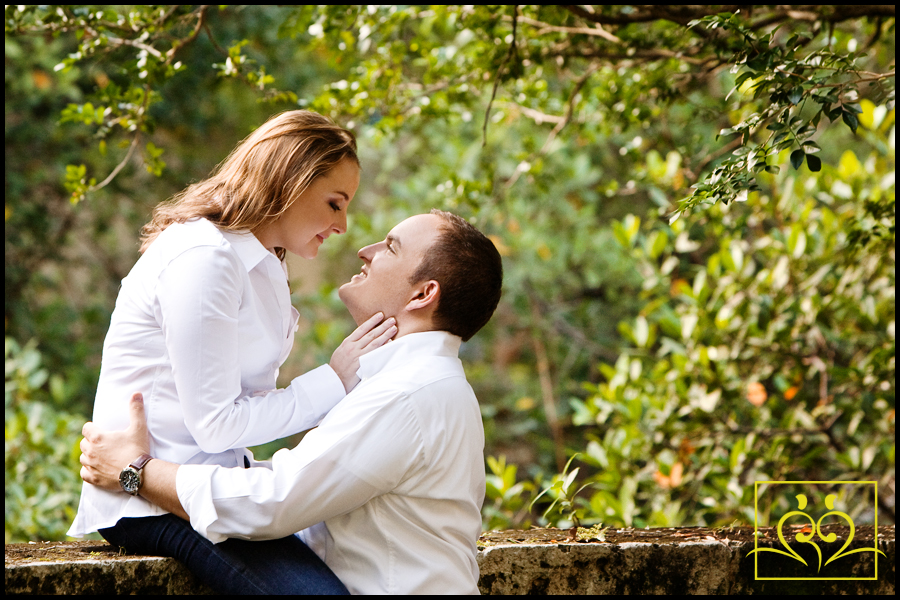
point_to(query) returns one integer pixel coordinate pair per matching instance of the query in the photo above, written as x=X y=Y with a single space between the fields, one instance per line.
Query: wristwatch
x=130 y=478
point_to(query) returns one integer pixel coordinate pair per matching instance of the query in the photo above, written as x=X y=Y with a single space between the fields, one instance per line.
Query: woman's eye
x=335 y=206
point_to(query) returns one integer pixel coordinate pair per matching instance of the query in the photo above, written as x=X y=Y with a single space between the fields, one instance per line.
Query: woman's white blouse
x=201 y=326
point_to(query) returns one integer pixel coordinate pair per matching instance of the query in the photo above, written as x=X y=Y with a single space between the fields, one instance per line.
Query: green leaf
x=850 y=119
x=658 y=244
x=797 y=157
x=811 y=147
x=641 y=331
x=814 y=163
x=737 y=454
x=569 y=479
x=806 y=131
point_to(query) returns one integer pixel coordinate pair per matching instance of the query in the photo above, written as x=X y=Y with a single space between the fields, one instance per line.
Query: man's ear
x=426 y=294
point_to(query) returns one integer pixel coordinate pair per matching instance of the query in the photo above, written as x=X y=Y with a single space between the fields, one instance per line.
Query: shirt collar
x=400 y=351
x=248 y=248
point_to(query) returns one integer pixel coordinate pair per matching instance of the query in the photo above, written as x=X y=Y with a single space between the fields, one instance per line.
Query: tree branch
x=134 y=144
x=125 y=42
x=549 y=400
x=678 y=14
x=594 y=31
x=570 y=109
x=512 y=50
x=119 y=166
x=726 y=149
x=201 y=18
x=856 y=11
x=535 y=115
x=648 y=54
x=683 y=14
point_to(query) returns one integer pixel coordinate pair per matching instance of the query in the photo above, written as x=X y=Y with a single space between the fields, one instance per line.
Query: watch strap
x=140 y=462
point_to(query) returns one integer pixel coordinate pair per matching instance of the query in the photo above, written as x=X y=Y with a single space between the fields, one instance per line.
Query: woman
x=201 y=326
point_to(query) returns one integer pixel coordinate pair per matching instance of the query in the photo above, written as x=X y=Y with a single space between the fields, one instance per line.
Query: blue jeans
x=285 y=566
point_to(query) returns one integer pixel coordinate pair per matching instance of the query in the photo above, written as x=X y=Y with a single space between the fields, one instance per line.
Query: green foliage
x=562 y=489
x=765 y=350
x=506 y=502
x=793 y=84
x=41 y=450
x=146 y=43
x=568 y=134
x=413 y=62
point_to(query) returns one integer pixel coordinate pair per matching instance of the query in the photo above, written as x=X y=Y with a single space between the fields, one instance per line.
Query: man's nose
x=367 y=252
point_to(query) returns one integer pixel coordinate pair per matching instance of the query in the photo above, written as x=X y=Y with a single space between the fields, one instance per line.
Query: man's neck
x=413 y=327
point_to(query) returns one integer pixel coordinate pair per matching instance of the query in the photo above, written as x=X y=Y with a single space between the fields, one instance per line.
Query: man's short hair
x=470 y=272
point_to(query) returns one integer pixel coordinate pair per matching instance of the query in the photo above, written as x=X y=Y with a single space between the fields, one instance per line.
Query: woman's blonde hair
x=261 y=177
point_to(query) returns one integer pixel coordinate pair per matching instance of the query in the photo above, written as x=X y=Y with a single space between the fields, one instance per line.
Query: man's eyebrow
x=393 y=240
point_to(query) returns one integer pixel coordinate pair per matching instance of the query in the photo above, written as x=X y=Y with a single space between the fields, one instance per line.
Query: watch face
x=130 y=480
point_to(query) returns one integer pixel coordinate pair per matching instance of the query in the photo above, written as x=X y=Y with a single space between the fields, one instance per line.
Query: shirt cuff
x=193 y=484
x=322 y=387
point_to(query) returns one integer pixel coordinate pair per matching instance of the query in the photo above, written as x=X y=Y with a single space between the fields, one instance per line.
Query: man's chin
x=348 y=303
x=344 y=292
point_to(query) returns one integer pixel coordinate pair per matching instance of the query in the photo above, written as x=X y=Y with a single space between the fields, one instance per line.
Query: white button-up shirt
x=201 y=326
x=388 y=489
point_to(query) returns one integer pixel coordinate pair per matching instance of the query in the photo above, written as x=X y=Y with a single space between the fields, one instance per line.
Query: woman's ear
x=425 y=295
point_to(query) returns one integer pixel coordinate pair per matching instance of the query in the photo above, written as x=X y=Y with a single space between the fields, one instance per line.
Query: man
x=388 y=489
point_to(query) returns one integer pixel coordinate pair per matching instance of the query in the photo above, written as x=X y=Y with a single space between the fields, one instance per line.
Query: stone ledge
x=101 y=571
x=660 y=561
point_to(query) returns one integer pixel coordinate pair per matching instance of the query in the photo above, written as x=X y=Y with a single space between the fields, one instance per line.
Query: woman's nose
x=340 y=225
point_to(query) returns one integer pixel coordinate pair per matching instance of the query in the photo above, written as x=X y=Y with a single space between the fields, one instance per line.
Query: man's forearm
x=159 y=487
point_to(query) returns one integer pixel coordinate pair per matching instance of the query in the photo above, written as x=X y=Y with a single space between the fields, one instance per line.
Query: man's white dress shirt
x=201 y=326
x=387 y=490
